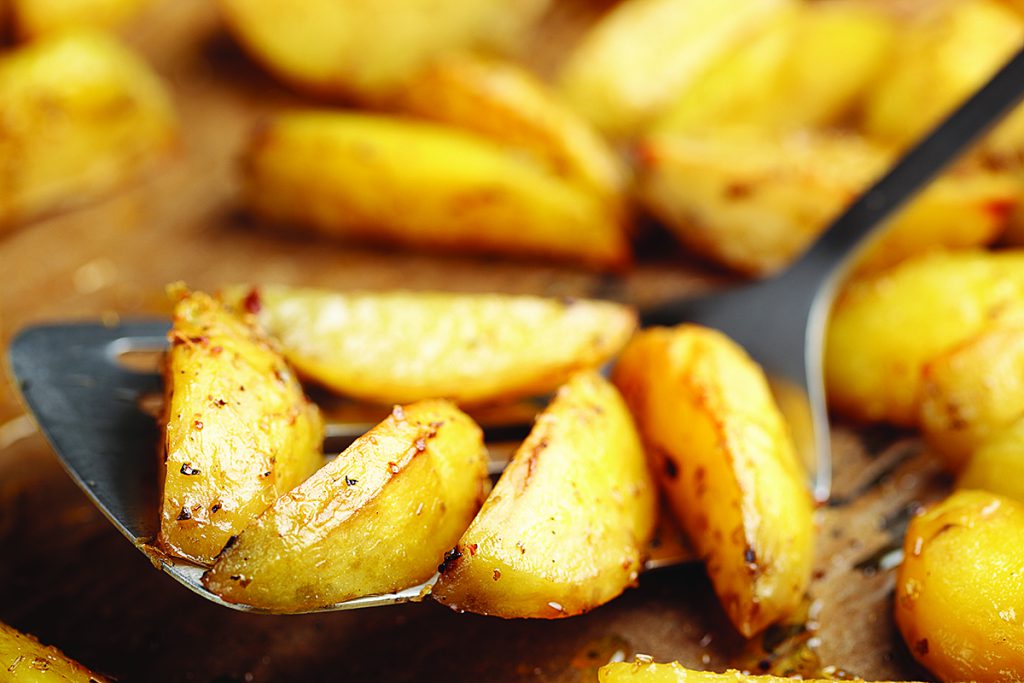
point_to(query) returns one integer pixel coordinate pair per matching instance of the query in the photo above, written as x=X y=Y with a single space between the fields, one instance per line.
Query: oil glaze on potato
x=726 y=461
x=238 y=431
x=886 y=327
x=23 y=659
x=82 y=116
x=396 y=347
x=417 y=184
x=650 y=672
x=376 y=519
x=564 y=528
x=974 y=391
x=960 y=590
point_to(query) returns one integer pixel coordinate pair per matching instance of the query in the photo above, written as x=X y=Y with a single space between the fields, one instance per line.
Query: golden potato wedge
x=959 y=594
x=885 y=327
x=419 y=184
x=81 y=116
x=564 y=529
x=238 y=431
x=398 y=347
x=642 y=671
x=367 y=49
x=997 y=464
x=23 y=659
x=376 y=519
x=944 y=55
x=637 y=59
x=726 y=461
x=37 y=18
x=753 y=201
x=973 y=391
x=506 y=103
x=805 y=66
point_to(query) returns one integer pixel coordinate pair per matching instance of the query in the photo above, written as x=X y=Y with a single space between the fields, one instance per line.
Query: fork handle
x=911 y=174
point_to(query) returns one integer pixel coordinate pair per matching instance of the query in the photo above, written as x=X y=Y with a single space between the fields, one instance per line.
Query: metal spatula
x=87 y=401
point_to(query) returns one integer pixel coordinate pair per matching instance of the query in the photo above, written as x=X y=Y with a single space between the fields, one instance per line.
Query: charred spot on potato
x=215 y=507
x=231 y=542
x=671 y=468
x=472 y=548
x=750 y=557
x=451 y=558
x=349 y=481
x=252 y=303
x=921 y=647
x=188 y=470
x=496 y=574
x=184 y=514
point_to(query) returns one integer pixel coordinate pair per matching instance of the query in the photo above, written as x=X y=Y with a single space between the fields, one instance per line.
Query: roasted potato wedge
x=81 y=116
x=725 y=459
x=564 y=529
x=419 y=184
x=397 y=347
x=650 y=672
x=23 y=659
x=974 y=391
x=367 y=50
x=643 y=53
x=886 y=327
x=376 y=519
x=37 y=18
x=238 y=431
x=959 y=594
x=997 y=465
x=506 y=103
x=753 y=201
x=944 y=55
x=805 y=66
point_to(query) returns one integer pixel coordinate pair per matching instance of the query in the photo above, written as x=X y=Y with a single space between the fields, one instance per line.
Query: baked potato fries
x=23 y=659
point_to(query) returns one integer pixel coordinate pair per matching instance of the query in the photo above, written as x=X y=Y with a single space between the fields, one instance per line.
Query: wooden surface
x=67 y=576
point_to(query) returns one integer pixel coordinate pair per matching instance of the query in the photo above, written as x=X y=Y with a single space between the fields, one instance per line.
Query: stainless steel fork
x=87 y=402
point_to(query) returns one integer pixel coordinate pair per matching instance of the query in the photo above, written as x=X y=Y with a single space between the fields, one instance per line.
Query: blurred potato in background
x=38 y=18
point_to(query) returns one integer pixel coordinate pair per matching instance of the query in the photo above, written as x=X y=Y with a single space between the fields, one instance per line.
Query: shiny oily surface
x=399 y=181
x=997 y=465
x=726 y=462
x=376 y=519
x=238 y=430
x=395 y=347
x=959 y=592
x=23 y=659
x=565 y=526
x=885 y=327
x=649 y=672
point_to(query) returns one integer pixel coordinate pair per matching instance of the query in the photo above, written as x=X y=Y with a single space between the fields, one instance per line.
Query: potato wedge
x=564 y=529
x=376 y=519
x=637 y=59
x=398 y=347
x=726 y=461
x=650 y=672
x=81 y=116
x=997 y=465
x=506 y=103
x=943 y=56
x=884 y=328
x=37 y=18
x=418 y=184
x=367 y=49
x=805 y=66
x=753 y=202
x=959 y=594
x=23 y=659
x=238 y=431
x=974 y=391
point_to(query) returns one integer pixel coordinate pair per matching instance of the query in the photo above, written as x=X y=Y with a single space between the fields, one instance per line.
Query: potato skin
x=997 y=464
x=724 y=457
x=376 y=519
x=471 y=348
x=565 y=526
x=974 y=391
x=82 y=116
x=959 y=593
x=673 y=672
x=885 y=327
x=416 y=184
x=238 y=431
x=23 y=659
